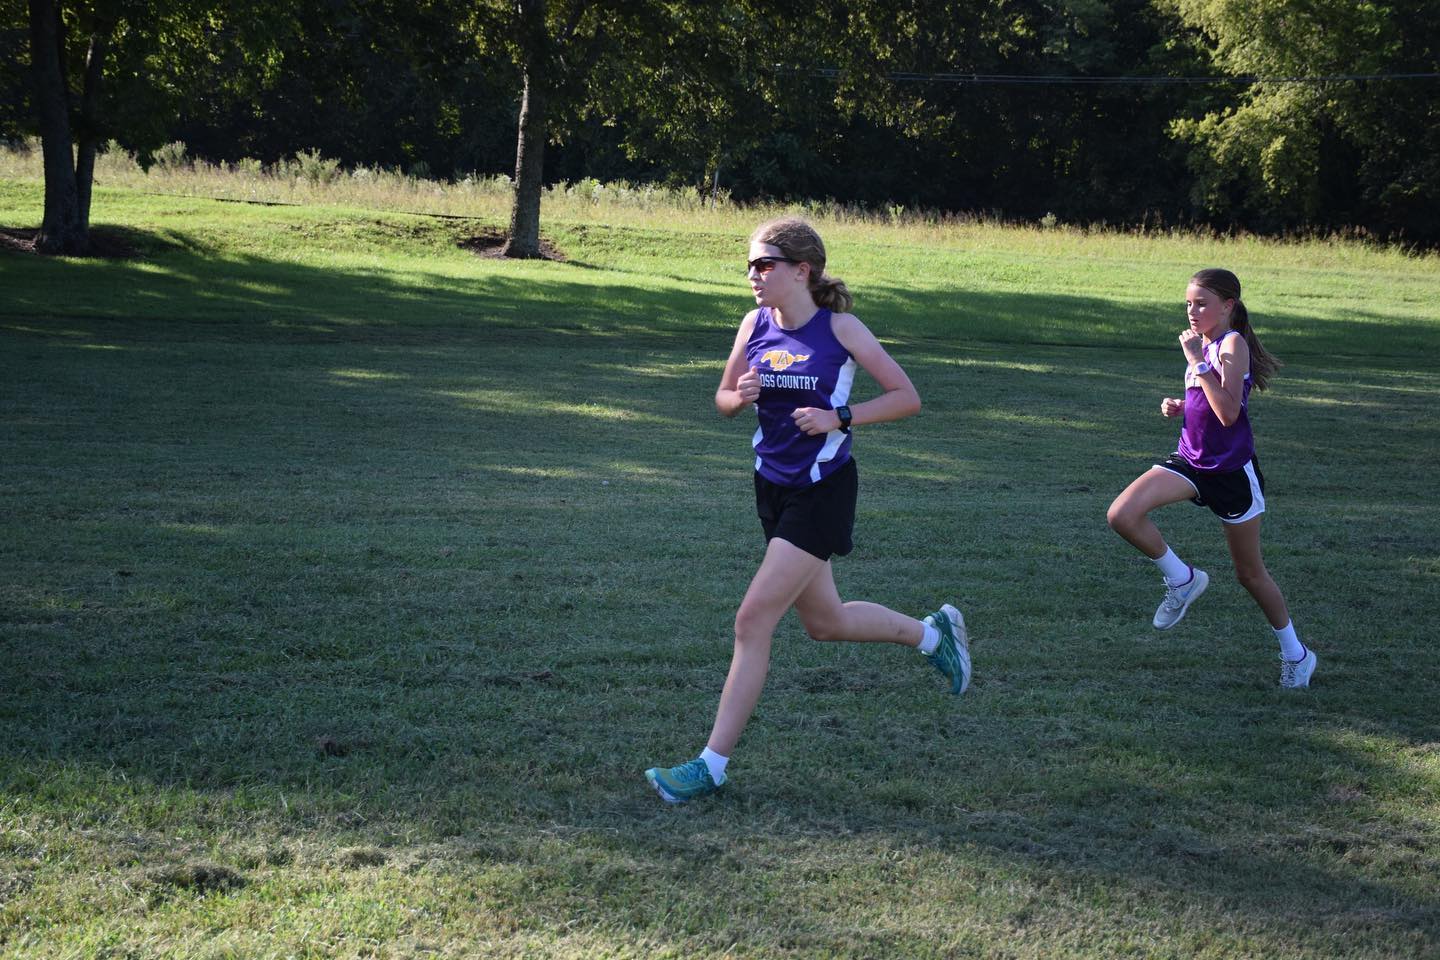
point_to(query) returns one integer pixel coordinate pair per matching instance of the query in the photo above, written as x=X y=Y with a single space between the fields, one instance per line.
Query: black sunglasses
x=763 y=265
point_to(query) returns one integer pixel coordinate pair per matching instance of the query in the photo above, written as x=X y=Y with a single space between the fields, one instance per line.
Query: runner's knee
x=752 y=623
x=824 y=629
x=1251 y=575
x=1121 y=516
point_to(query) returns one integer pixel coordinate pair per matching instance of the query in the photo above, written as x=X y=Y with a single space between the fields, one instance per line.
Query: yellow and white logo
x=780 y=359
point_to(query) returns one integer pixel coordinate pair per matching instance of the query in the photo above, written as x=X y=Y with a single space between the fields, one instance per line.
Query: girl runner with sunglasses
x=1215 y=465
x=794 y=360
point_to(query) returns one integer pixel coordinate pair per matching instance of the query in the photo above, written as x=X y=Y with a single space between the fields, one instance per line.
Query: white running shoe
x=1295 y=674
x=1178 y=599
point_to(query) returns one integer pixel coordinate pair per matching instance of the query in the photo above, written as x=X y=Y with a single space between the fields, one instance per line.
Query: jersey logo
x=780 y=359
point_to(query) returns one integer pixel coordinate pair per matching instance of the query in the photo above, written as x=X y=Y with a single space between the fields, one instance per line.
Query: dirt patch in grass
x=491 y=244
x=331 y=747
x=17 y=240
x=106 y=243
x=357 y=857
x=199 y=877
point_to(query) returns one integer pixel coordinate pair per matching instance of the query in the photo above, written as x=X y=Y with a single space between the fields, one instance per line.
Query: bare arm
x=1224 y=385
x=899 y=398
x=740 y=383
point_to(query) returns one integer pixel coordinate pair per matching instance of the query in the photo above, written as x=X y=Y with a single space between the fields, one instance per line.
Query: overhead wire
x=1015 y=79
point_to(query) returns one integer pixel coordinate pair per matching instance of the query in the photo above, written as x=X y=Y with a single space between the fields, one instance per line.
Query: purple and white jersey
x=1206 y=443
x=806 y=367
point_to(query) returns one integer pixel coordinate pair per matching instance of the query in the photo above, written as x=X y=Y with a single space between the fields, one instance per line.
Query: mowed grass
x=348 y=582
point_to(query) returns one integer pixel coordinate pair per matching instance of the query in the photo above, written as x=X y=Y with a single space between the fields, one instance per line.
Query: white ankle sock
x=716 y=763
x=1290 y=646
x=931 y=640
x=1175 y=571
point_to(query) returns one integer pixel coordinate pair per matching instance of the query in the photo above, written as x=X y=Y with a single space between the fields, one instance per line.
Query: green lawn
x=348 y=582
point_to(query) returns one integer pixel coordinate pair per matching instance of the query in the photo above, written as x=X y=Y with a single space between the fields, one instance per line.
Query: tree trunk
x=529 y=166
x=63 y=230
x=87 y=130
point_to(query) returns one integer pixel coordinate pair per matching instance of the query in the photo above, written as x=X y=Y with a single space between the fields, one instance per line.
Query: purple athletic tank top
x=807 y=367
x=1206 y=443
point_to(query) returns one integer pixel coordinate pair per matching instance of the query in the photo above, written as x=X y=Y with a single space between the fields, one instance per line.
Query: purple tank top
x=807 y=367
x=1206 y=443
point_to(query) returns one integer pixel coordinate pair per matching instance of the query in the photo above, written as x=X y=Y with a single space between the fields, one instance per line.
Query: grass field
x=349 y=580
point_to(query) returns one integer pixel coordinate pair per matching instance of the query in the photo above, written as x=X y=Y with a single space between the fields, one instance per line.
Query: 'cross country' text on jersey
x=804 y=367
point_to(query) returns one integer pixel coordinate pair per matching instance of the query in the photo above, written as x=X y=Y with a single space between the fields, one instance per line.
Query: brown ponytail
x=831 y=293
x=1226 y=286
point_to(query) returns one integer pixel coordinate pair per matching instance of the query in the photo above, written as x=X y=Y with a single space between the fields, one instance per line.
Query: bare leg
x=1244 y=542
x=827 y=617
x=1129 y=514
x=783 y=576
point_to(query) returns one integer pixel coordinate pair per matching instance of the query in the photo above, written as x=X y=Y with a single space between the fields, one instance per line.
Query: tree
x=911 y=123
x=16 y=115
x=705 y=100
x=69 y=171
x=389 y=83
x=1298 y=149
x=539 y=60
x=556 y=45
x=131 y=61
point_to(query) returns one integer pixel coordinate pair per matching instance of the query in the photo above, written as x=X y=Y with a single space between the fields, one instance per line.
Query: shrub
x=310 y=166
x=170 y=157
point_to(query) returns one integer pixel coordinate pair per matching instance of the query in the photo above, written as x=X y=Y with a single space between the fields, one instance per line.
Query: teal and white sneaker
x=685 y=782
x=952 y=657
x=1178 y=599
x=1295 y=674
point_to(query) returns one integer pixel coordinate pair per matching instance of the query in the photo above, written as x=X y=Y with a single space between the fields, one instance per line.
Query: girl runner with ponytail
x=1215 y=465
x=794 y=360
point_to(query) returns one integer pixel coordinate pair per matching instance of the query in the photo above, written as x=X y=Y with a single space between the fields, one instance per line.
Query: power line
x=1015 y=79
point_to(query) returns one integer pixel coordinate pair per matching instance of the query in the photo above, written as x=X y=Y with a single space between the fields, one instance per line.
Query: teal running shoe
x=952 y=657
x=685 y=782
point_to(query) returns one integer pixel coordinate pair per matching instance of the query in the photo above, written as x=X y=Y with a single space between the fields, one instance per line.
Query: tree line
x=1261 y=115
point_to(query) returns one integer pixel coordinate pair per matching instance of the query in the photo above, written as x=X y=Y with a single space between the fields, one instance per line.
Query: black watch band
x=843 y=412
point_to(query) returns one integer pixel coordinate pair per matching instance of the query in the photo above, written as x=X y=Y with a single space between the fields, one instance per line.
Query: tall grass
x=309 y=178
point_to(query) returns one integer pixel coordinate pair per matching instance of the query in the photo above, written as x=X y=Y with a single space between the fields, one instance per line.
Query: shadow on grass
x=417 y=555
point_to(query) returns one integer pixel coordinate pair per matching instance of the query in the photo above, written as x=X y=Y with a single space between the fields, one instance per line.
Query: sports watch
x=843 y=412
x=1202 y=368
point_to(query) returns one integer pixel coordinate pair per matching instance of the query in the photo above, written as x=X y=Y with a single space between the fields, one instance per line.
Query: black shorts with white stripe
x=1232 y=495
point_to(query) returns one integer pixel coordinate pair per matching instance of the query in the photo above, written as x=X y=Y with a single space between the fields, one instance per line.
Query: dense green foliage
x=348 y=582
x=1365 y=152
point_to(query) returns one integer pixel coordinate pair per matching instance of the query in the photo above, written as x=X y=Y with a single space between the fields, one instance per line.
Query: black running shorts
x=1232 y=495
x=819 y=519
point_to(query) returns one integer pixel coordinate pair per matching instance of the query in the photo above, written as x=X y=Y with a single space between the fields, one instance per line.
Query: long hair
x=1226 y=286
x=799 y=241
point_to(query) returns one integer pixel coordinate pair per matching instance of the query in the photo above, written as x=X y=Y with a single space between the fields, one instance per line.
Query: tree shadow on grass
x=453 y=558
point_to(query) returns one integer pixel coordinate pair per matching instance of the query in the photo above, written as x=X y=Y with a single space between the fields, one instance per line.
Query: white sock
x=1290 y=646
x=931 y=640
x=716 y=763
x=1175 y=571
